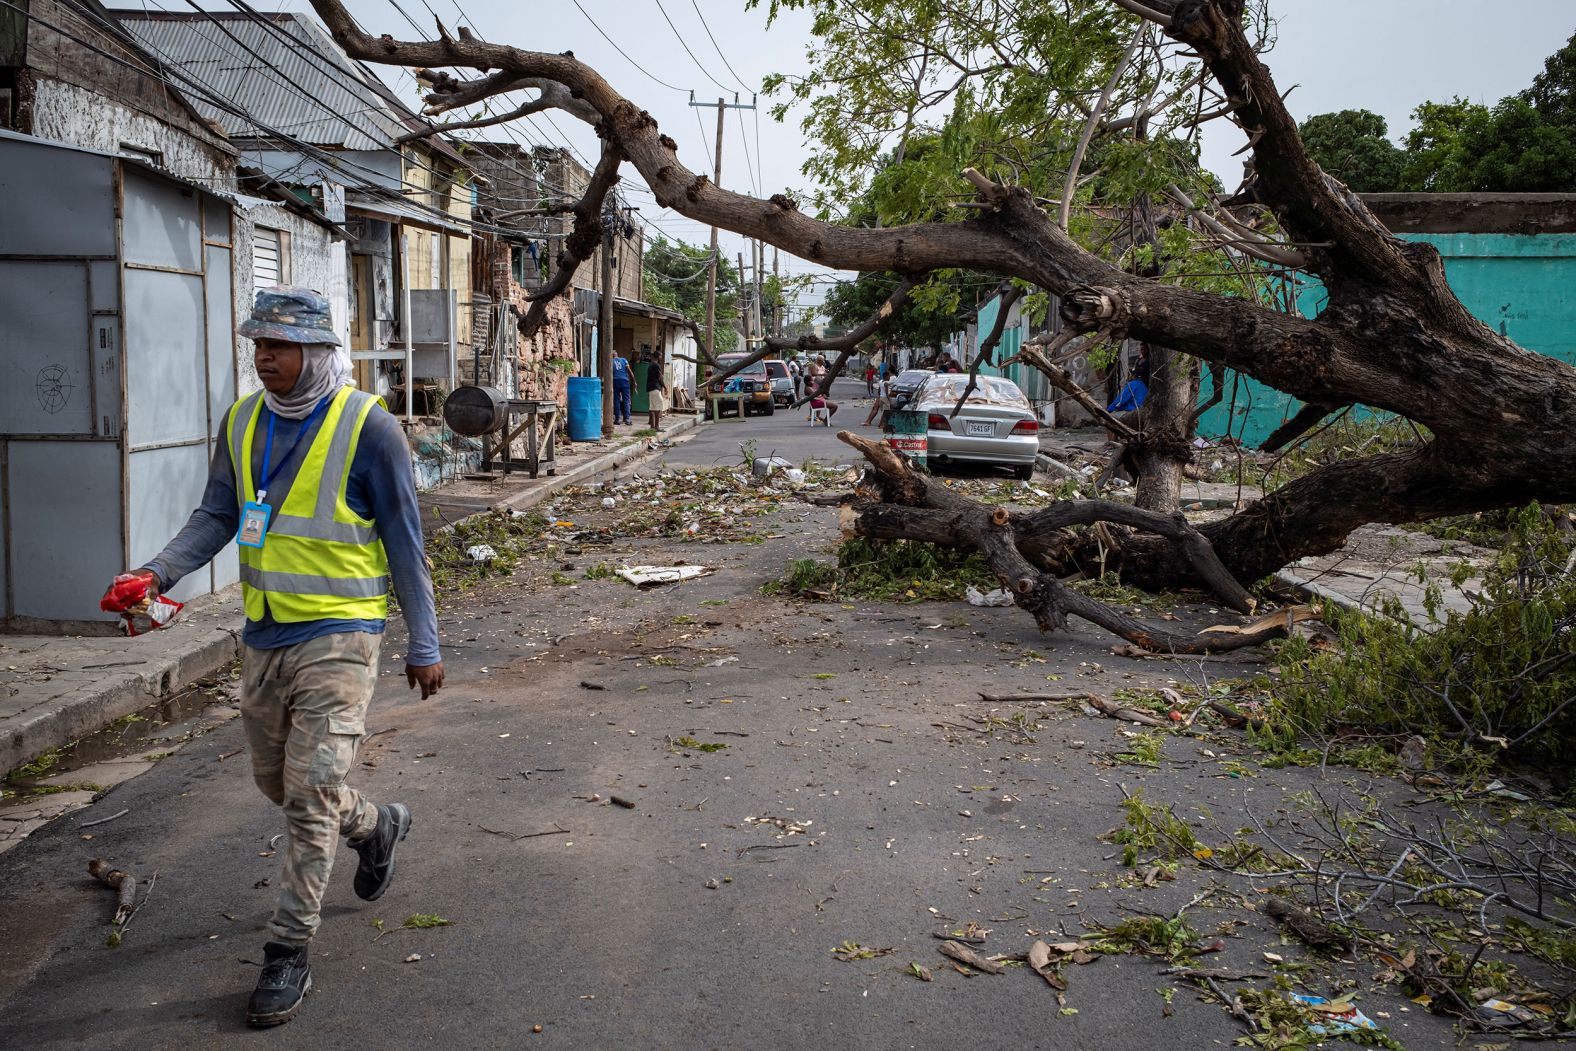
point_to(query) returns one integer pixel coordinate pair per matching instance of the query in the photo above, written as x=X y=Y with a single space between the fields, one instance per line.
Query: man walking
x=623 y=388
x=313 y=482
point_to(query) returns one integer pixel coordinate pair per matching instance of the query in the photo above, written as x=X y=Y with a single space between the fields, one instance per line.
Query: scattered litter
x=712 y=884
x=1497 y=787
x=481 y=553
x=1504 y=1013
x=104 y=820
x=648 y=576
x=609 y=503
x=1343 y=1015
x=720 y=661
x=796 y=476
x=998 y=597
x=414 y=957
x=763 y=466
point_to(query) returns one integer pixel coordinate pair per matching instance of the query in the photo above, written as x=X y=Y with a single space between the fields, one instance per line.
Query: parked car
x=782 y=383
x=995 y=426
x=905 y=383
x=751 y=380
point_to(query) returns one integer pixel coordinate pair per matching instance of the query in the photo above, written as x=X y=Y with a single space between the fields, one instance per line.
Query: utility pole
x=604 y=339
x=759 y=257
x=782 y=307
x=716 y=180
x=744 y=304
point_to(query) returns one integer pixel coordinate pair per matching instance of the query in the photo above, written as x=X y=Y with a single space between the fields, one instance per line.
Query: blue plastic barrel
x=585 y=408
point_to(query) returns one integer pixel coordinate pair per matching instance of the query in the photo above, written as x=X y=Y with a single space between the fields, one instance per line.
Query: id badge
x=254 y=524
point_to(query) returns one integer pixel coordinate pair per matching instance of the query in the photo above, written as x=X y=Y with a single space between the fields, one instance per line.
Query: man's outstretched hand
x=429 y=678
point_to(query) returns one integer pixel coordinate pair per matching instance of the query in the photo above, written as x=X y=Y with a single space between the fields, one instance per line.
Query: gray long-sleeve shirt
x=381 y=487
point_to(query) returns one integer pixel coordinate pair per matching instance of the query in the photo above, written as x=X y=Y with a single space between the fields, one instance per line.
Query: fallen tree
x=1501 y=420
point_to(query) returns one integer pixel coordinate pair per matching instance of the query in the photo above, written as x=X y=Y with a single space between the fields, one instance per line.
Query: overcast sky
x=1383 y=55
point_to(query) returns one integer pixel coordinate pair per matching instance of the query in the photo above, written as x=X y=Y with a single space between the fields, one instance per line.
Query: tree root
x=895 y=502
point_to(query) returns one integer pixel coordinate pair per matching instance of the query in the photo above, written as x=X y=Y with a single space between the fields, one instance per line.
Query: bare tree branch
x=582 y=241
x=1070 y=184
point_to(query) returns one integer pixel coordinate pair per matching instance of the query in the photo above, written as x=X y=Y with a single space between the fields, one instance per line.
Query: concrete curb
x=119 y=692
x=217 y=641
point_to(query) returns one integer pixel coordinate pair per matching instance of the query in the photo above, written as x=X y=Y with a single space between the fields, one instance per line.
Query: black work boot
x=376 y=870
x=284 y=983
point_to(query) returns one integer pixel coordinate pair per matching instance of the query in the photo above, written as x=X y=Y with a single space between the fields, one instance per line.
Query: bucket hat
x=295 y=315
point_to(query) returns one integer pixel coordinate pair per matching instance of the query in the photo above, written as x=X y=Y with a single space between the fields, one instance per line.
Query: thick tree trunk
x=1167 y=426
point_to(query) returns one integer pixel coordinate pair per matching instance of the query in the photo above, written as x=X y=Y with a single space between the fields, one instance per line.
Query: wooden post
x=604 y=339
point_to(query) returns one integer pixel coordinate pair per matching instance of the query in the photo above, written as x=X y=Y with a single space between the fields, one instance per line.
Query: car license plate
x=982 y=428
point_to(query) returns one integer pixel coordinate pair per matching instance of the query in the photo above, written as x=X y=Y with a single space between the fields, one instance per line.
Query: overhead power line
x=720 y=54
x=687 y=50
x=621 y=51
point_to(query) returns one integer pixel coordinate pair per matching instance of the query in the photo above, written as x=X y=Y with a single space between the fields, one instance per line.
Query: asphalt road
x=856 y=800
x=786 y=433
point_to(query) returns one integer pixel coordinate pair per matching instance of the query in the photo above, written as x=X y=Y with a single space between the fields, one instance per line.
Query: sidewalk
x=578 y=463
x=55 y=689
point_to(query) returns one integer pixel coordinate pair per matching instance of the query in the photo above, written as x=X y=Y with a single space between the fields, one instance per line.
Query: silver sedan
x=995 y=426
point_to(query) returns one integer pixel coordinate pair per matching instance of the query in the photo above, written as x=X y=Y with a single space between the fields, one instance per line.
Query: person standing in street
x=313 y=481
x=882 y=403
x=656 y=394
x=623 y=388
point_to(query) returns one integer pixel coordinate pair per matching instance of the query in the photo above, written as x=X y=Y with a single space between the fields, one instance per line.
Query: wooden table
x=716 y=406
x=536 y=457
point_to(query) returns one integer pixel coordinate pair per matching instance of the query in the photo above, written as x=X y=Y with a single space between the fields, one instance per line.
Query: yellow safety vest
x=320 y=560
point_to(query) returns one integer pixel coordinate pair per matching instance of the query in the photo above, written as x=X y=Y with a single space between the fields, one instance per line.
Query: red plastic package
x=135 y=597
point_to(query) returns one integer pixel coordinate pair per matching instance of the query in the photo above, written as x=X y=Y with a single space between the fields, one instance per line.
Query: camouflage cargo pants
x=305 y=711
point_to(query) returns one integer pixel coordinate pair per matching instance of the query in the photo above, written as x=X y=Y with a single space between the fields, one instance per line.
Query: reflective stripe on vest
x=321 y=560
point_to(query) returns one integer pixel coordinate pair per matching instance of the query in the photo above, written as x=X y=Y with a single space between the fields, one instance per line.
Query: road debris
x=997 y=597
x=650 y=576
x=1308 y=927
x=1039 y=960
x=850 y=951
x=1339 y=1016
x=963 y=954
x=123 y=883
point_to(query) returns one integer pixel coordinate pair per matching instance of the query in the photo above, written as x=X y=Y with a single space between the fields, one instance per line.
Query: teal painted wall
x=1011 y=343
x=1520 y=284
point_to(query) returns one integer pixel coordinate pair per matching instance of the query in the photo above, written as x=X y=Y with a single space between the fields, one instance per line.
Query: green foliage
x=1354 y=146
x=675 y=277
x=424 y=921
x=36 y=768
x=1491 y=682
x=1153 y=832
x=506 y=533
x=889 y=570
x=697 y=746
x=1173 y=939
x=1526 y=143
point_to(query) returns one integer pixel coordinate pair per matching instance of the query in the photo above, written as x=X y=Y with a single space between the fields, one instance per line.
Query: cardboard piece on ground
x=648 y=576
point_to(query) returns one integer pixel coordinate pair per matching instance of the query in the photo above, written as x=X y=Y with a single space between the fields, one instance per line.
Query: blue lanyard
x=268 y=444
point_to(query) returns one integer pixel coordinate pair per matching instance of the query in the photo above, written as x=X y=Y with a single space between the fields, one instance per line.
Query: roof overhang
x=1474 y=213
x=403 y=212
